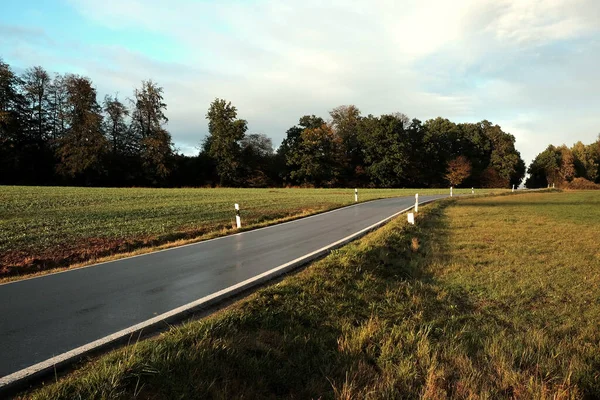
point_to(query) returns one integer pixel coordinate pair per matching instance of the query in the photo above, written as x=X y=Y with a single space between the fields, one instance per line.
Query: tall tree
x=385 y=143
x=257 y=159
x=477 y=148
x=223 y=142
x=345 y=121
x=586 y=160
x=57 y=98
x=504 y=158
x=83 y=145
x=38 y=154
x=544 y=170
x=415 y=172
x=567 y=165
x=148 y=120
x=319 y=157
x=440 y=145
x=115 y=125
x=36 y=85
x=291 y=145
x=12 y=124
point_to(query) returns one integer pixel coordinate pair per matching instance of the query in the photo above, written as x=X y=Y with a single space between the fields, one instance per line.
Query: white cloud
x=535 y=21
x=519 y=63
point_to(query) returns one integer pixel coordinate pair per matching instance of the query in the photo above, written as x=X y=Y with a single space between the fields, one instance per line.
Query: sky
x=531 y=66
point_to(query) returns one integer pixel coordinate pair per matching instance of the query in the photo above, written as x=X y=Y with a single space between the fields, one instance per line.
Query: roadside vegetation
x=49 y=227
x=489 y=297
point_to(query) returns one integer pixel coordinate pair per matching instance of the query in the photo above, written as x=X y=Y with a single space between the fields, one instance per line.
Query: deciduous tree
x=36 y=87
x=586 y=160
x=147 y=123
x=544 y=170
x=458 y=170
x=385 y=143
x=57 y=98
x=115 y=126
x=290 y=146
x=319 y=157
x=12 y=124
x=223 y=143
x=82 y=147
x=345 y=121
x=257 y=159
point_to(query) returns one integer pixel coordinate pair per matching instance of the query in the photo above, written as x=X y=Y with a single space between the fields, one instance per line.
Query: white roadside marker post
x=411 y=218
x=450 y=191
x=238 y=220
x=552 y=185
x=472 y=190
x=417 y=202
x=513 y=188
x=356 y=195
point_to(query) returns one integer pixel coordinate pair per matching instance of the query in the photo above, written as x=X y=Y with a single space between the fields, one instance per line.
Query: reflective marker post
x=356 y=195
x=450 y=191
x=238 y=221
x=417 y=202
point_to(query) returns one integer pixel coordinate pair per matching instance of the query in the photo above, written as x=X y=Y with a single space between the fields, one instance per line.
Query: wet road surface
x=49 y=315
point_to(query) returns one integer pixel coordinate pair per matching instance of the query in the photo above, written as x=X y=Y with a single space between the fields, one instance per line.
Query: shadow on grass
x=531 y=204
x=321 y=333
x=370 y=320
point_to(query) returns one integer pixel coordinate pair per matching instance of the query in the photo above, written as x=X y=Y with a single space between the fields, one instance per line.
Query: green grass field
x=49 y=227
x=494 y=297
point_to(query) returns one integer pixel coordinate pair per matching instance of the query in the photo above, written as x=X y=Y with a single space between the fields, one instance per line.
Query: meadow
x=492 y=297
x=43 y=228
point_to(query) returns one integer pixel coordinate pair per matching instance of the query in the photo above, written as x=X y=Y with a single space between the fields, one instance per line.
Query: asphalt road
x=46 y=316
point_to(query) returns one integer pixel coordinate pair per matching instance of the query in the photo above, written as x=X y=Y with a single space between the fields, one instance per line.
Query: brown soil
x=25 y=262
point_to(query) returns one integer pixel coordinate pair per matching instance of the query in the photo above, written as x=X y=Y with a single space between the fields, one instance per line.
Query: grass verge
x=484 y=298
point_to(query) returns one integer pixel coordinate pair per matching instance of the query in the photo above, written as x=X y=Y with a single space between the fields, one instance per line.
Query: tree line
x=561 y=166
x=54 y=130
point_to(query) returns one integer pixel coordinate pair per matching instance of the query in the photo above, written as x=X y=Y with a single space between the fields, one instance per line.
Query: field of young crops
x=47 y=227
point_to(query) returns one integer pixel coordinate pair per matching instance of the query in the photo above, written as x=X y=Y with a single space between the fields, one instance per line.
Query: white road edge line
x=45 y=366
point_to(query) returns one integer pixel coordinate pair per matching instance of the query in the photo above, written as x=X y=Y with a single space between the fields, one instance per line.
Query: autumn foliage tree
x=560 y=165
x=458 y=170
